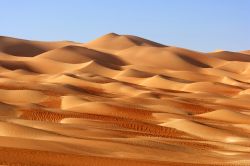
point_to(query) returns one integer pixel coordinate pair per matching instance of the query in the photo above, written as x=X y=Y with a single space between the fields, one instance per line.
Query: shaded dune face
x=122 y=100
x=79 y=54
x=23 y=50
x=27 y=48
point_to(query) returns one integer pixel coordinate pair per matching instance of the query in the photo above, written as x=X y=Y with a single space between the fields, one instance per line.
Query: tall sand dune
x=113 y=41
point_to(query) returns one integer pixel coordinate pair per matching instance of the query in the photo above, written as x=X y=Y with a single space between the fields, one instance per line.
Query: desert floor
x=122 y=100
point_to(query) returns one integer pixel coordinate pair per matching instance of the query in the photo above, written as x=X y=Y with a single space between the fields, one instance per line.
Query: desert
x=122 y=100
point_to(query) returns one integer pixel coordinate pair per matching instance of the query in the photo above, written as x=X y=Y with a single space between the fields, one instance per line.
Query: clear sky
x=203 y=25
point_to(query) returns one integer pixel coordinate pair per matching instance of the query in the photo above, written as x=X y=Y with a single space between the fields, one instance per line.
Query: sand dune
x=245 y=52
x=122 y=100
x=21 y=96
x=227 y=115
x=159 y=81
x=231 y=56
x=149 y=56
x=203 y=131
x=113 y=41
x=26 y=48
x=135 y=73
x=77 y=54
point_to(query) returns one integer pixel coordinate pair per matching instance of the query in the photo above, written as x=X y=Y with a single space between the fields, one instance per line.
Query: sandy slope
x=122 y=100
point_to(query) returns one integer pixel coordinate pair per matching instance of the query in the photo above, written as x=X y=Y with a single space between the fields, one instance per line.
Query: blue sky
x=203 y=25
